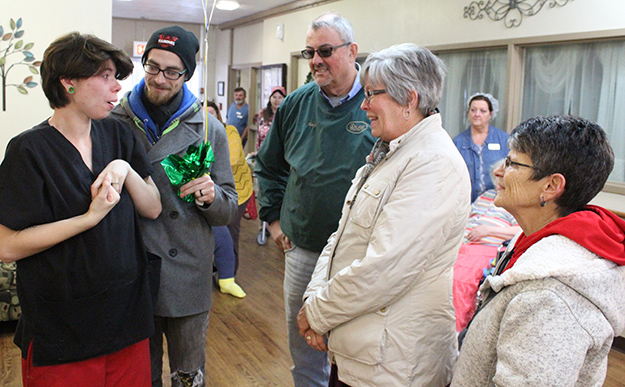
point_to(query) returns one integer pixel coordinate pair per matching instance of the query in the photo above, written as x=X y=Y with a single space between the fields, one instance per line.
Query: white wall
x=248 y=45
x=43 y=21
x=222 y=61
x=429 y=23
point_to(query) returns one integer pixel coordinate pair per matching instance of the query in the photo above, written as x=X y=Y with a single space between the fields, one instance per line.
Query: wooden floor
x=246 y=341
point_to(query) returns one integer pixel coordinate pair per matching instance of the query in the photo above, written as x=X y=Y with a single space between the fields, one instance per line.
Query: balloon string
x=207 y=21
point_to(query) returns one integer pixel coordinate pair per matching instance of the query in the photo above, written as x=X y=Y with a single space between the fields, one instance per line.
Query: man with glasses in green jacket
x=318 y=139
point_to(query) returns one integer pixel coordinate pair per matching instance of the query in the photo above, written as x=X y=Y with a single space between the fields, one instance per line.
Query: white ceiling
x=190 y=11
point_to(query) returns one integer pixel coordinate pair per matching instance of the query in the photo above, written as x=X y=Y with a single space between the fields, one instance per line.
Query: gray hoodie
x=551 y=322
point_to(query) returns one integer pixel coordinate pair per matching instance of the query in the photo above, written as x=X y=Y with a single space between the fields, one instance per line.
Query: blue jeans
x=235 y=230
x=224 y=252
x=186 y=348
x=311 y=367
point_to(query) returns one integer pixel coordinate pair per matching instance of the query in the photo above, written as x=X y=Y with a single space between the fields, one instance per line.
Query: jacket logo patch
x=357 y=127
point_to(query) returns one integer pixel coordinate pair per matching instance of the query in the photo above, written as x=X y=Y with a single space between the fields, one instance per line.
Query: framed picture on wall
x=271 y=76
x=220 y=88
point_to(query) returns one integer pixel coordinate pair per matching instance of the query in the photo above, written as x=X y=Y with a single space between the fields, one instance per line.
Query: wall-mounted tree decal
x=24 y=57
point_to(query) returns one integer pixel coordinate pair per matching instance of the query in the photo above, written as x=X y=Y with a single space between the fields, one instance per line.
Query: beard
x=239 y=101
x=158 y=98
x=323 y=79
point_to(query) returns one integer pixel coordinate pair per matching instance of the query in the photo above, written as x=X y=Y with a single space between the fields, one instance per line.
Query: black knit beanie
x=177 y=40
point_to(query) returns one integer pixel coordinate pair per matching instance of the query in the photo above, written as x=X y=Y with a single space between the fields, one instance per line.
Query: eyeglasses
x=172 y=75
x=507 y=163
x=371 y=93
x=323 y=52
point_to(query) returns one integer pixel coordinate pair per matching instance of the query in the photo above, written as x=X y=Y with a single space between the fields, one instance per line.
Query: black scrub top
x=87 y=296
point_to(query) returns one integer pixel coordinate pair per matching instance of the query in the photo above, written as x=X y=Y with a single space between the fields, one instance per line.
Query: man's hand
x=278 y=236
x=202 y=188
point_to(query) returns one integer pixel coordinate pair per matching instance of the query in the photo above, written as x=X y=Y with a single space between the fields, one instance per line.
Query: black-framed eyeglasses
x=371 y=93
x=170 y=74
x=323 y=52
x=507 y=163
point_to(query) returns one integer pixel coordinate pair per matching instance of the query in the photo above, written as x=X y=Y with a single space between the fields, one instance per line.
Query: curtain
x=469 y=72
x=582 y=79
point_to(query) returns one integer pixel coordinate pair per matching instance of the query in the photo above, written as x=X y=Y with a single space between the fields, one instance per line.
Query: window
x=583 y=79
x=469 y=72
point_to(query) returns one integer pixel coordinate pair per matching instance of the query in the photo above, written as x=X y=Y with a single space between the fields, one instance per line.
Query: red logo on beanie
x=167 y=41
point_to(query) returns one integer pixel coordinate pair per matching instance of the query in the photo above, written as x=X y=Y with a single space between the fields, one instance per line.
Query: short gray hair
x=575 y=147
x=335 y=22
x=404 y=68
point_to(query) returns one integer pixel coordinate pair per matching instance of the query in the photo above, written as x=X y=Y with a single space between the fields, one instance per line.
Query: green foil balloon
x=195 y=163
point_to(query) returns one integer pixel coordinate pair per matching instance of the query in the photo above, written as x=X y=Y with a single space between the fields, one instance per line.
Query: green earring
x=70 y=90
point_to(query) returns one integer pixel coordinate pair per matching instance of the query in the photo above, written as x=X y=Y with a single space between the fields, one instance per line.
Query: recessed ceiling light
x=227 y=5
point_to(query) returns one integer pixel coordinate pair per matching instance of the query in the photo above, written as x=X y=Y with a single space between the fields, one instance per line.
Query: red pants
x=129 y=367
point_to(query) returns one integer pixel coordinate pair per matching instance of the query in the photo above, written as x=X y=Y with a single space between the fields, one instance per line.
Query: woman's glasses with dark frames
x=172 y=75
x=370 y=93
x=507 y=163
x=323 y=52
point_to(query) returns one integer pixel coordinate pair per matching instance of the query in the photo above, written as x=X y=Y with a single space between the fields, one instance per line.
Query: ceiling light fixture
x=227 y=5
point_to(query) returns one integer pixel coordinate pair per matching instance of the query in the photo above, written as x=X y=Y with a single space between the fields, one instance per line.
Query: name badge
x=494 y=147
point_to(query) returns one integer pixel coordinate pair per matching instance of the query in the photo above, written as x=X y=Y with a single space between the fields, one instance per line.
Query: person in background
x=380 y=293
x=227 y=239
x=318 y=139
x=481 y=144
x=488 y=228
x=167 y=118
x=71 y=189
x=238 y=114
x=265 y=117
x=556 y=301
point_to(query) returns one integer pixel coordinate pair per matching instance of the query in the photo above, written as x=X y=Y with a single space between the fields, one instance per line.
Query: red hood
x=595 y=228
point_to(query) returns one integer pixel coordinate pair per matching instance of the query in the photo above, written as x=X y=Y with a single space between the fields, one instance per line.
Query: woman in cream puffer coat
x=382 y=288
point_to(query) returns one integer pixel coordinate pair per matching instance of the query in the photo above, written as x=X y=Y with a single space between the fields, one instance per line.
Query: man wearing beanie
x=167 y=119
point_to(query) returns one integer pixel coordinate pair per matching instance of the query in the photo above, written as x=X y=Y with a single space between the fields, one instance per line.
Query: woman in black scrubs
x=71 y=189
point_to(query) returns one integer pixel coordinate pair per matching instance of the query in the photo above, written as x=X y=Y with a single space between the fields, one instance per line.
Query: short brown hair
x=241 y=89
x=78 y=56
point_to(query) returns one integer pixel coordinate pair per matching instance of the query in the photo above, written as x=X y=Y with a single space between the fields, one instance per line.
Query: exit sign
x=138 y=48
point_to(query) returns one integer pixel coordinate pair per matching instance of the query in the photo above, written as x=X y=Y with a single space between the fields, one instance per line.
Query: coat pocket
x=368 y=202
x=362 y=339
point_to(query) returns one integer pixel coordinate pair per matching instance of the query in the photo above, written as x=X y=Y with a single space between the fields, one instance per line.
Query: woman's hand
x=143 y=192
x=313 y=339
x=203 y=188
x=18 y=244
x=116 y=171
x=479 y=232
x=104 y=201
x=316 y=341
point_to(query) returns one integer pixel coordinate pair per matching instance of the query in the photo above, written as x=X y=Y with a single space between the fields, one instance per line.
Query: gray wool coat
x=182 y=234
x=551 y=322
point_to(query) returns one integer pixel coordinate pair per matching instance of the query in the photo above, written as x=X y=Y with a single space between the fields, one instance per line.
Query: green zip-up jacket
x=307 y=161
